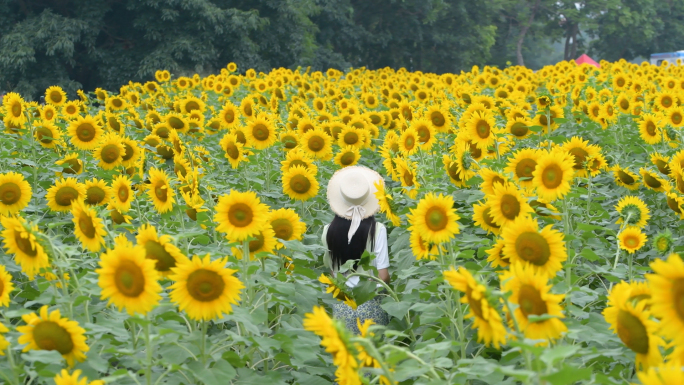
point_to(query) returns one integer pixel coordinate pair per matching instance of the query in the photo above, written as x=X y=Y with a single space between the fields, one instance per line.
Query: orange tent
x=584 y=59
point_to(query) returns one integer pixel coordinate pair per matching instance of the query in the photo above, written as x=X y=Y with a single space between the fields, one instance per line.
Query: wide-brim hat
x=351 y=187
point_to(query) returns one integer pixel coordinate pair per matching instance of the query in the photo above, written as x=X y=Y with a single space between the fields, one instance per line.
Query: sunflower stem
x=148 y=350
x=245 y=272
x=521 y=336
x=459 y=326
x=13 y=368
x=203 y=342
x=373 y=352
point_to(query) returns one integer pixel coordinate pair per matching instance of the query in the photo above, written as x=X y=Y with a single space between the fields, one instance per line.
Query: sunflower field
x=169 y=233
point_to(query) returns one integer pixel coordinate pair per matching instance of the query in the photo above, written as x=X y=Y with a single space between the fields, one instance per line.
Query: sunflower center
x=50 y=335
x=674 y=205
x=424 y=134
x=24 y=244
x=85 y=223
x=662 y=166
x=45 y=135
x=191 y=105
x=625 y=178
x=176 y=123
x=85 y=132
x=525 y=167
x=65 y=195
x=651 y=181
x=552 y=176
x=300 y=184
x=16 y=110
x=164 y=260
x=10 y=193
x=676 y=118
x=475 y=304
x=409 y=142
x=533 y=248
x=632 y=332
x=111 y=153
x=316 y=143
x=240 y=215
x=436 y=219
x=289 y=142
x=678 y=295
x=437 y=118
x=116 y=102
x=260 y=131
x=256 y=244
x=580 y=157
x=248 y=109
x=128 y=152
x=95 y=195
x=453 y=172
x=56 y=97
x=351 y=138
x=205 y=285
x=408 y=178
x=488 y=218
x=510 y=206
x=666 y=101
x=129 y=279
x=347 y=159
x=624 y=104
x=229 y=116
x=483 y=129
x=519 y=129
x=531 y=302
x=650 y=128
x=631 y=242
x=161 y=191
x=283 y=228
x=123 y=193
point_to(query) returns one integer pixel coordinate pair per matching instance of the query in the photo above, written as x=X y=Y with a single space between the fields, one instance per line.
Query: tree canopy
x=104 y=43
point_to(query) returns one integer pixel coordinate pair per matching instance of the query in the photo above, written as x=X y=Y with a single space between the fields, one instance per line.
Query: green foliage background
x=104 y=43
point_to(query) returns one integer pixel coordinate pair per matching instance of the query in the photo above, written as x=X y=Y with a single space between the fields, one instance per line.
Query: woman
x=351 y=195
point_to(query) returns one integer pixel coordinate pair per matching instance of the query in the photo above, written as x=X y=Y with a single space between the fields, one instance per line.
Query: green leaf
x=396 y=309
x=589 y=254
x=558 y=352
x=568 y=375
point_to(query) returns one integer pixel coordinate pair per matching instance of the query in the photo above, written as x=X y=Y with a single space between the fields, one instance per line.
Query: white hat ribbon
x=356 y=212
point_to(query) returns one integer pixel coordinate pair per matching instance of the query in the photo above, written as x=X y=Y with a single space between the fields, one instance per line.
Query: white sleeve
x=381 y=253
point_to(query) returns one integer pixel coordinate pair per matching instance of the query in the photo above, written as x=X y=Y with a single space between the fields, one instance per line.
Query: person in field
x=352 y=231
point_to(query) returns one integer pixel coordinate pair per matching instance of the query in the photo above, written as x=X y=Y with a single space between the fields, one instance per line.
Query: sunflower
x=240 y=215
x=531 y=292
x=233 y=149
x=406 y=171
x=53 y=332
x=425 y=132
x=289 y=139
x=55 y=95
x=300 y=183
x=97 y=192
x=522 y=165
x=676 y=203
x=409 y=142
x=549 y=122
x=316 y=143
x=625 y=178
x=649 y=129
x=519 y=127
x=19 y=238
x=543 y=250
x=422 y=249
x=159 y=190
x=482 y=216
x=491 y=179
x=190 y=104
x=675 y=117
x=665 y=100
x=632 y=239
x=453 y=171
x=204 y=289
x=439 y=117
x=496 y=255
x=552 y=175
x=15 y=107
x=487 y=320
x=47 y=134
x=264 y=241
x=88 y=228
x=131 y=152
x=122 y=193
x=435 y=218
x=128 y=279
x=48 y=113
x=6 y=287
x=64 y=378
x=15 y=193
x=110 y=151
x=482 y=130
x=351 y=136
x=632 y=323
x=286 y=225
x=633 y=211
x=348 y=156
x=117 y=217
x=63 y=193
x=661 y=162
x=4 y=344
x=297 y=157
x=385 y=201
x=580 y=151
x=506 y=204
x=663 y=374
x=653 y=181
x=159 y=249
x=85 y=132
x=260 y=132
x=667 y=290
x=177 y=121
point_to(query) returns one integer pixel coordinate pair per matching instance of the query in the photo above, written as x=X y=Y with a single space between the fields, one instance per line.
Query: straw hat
x=351 y=194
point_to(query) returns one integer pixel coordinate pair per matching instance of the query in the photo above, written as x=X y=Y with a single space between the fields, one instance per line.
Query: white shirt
x=381 y=260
